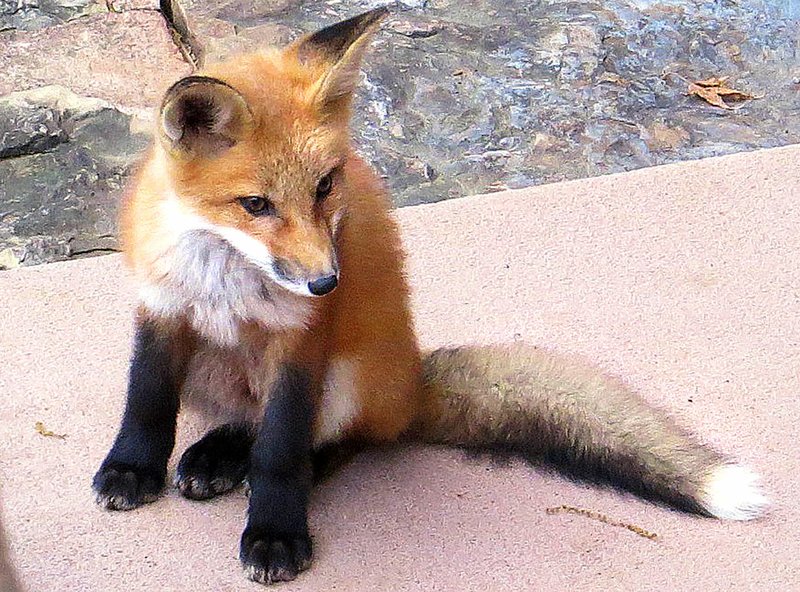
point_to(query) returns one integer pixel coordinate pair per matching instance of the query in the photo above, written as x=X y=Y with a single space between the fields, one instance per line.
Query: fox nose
x=323 y=285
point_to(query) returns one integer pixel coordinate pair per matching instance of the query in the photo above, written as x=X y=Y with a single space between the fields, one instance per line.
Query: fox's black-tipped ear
x=202 y=117
x=340 y=49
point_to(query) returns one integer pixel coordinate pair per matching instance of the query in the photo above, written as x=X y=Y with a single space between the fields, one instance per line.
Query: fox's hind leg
x=328 y=459
x=216 y=463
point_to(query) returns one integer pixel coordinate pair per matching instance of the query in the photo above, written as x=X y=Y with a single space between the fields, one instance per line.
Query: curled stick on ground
x=602 y=518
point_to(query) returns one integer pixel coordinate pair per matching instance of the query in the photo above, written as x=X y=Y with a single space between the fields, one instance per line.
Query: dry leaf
x=604 y=519
x=709 y=95
x=713 y=81
x=736 y=95
x=714 y=91
x=40 y=429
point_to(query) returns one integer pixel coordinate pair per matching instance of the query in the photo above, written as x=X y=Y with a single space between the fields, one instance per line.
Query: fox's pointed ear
x=202 y=117
x=339 y=50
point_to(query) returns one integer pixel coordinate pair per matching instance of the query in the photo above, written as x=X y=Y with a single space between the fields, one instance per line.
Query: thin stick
x=40 y=429
x=603 y=518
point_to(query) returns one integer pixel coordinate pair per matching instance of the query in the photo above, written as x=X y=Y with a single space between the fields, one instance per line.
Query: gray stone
x=469 y=96
x=126 y=58
x=126 y=5
x=36 y=14
x=60 y=183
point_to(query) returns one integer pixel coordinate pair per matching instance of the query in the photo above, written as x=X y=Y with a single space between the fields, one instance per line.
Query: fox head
x=255 y=150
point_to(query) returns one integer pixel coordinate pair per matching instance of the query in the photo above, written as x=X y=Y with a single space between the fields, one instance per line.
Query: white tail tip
x=732 y=493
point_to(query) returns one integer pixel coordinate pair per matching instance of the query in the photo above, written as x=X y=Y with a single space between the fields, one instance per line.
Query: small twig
x=182 y=35
x=603 y=518
x=93 y=250
x=40 y=429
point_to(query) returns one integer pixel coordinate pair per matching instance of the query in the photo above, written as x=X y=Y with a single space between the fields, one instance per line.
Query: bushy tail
x=543 y=407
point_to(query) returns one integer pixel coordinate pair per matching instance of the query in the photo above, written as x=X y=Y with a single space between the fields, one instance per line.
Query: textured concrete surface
x=683 y=279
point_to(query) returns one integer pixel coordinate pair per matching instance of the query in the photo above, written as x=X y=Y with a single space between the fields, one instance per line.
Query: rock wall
x=458 y=97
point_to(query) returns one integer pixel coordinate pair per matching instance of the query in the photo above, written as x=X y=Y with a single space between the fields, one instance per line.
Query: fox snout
x=303 y=280
x=323 y=285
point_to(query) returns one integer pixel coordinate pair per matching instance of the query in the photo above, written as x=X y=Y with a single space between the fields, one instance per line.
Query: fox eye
x=257 y=205
x=324 y=186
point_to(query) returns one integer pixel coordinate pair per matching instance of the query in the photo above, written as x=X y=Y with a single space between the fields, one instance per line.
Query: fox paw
x=268 y=557
x=120 y=486
x=209 y=468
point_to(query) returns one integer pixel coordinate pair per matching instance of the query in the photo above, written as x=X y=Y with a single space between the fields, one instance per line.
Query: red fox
x=273 y=297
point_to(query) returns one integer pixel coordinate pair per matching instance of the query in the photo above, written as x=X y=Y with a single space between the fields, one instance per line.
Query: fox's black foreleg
x=275 y=545
x=135 y=468
x=216 y=463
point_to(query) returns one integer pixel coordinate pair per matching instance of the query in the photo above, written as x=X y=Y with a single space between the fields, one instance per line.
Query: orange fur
x=289 y=143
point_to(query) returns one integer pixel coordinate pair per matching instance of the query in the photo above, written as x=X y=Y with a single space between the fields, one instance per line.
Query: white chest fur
x=340 y=405
x=210 y=283
x=205 y=277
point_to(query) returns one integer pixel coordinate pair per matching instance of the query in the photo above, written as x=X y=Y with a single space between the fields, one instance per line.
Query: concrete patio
x=683 y=279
